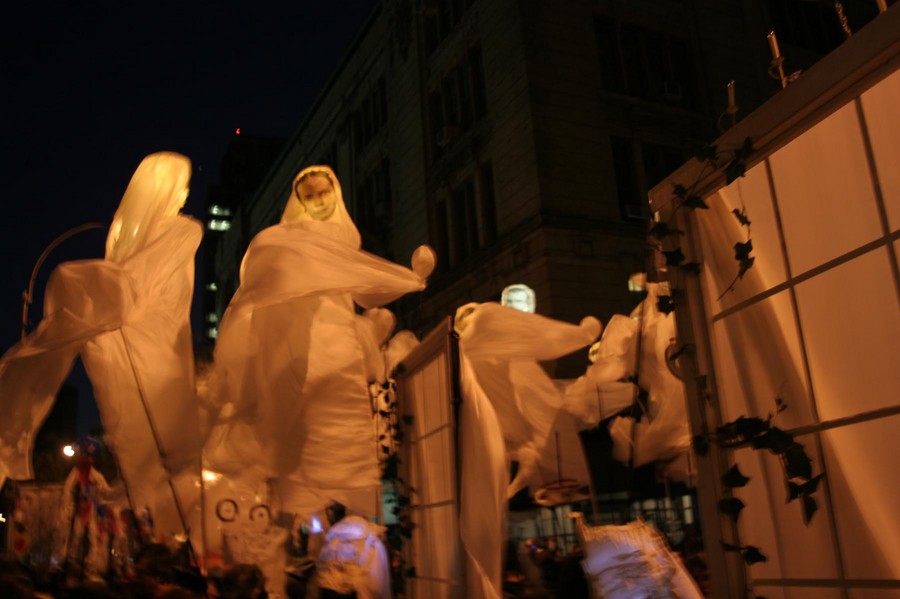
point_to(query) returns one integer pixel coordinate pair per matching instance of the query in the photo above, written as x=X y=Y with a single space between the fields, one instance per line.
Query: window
x=639 y=166
x=457 y=101
x=488 y=204
x=645 y=63
x=441 y=16
x=374 y=210
x=810 y=25
x=464 y=221
x=628 y=186
x=465 y=218
x=659 y=162
x=329 y=156
x=218 y=224
x=370 y=117
x=217 y=210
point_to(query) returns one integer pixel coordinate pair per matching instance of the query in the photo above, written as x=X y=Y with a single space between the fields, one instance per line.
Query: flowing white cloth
x=664 y=434
x=606 y=389
x=291 y=366
x=511 y=409
x=128 y=316
x=601 y=392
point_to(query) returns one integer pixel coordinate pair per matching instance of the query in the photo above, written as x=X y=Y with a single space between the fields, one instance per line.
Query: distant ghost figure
x=520 y=297
x=128 y=317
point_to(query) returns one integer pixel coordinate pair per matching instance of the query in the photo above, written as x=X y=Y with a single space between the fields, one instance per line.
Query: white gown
x=291 y=367
x=128 y=317
x=511 y=409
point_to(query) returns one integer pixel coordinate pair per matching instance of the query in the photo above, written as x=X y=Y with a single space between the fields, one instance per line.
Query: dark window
x=640 y=166
x=329 y=156
x=488 y=204
x=465 y=218
x=659 y=162
x=813 y=26
x=441 y=230
x=370 y=116
x=374 y=210
x=457 y=101
x=440 y=18
x=476 y=68
x=610 y=59
x=646 y=63
x=628 y=186
x=465 y=225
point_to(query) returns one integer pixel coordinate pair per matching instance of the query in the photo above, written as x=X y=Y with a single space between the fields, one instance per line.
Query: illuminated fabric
x=128 y=316
x=291 y=366
x=511 y=409
x=662 y=434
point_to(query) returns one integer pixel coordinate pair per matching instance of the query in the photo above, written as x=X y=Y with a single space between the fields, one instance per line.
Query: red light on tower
x=237 y=131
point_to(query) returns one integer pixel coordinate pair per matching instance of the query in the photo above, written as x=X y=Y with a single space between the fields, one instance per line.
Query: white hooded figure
x=635 y=347
x=128 y=317
x=603 y=390
x=291 y=367
x=511 y=410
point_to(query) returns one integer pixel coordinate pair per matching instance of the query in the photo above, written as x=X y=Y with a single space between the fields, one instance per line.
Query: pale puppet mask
x=316 y=196
x=520 y=297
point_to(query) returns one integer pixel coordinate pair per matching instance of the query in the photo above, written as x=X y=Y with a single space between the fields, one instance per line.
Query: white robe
x=511 y=409
x=128 y=316
x=291 y=365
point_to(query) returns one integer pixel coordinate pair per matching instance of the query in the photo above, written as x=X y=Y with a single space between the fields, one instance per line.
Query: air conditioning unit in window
x=670 y=91
x=446 y=136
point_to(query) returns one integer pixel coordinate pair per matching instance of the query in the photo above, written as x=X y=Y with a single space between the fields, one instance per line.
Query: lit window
x=216 y=210
x=212 y=286
x=212 y=332
x=216 y=224
x=212 y=317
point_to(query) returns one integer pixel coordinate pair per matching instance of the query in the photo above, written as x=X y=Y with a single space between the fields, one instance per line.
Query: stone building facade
x=519 y=138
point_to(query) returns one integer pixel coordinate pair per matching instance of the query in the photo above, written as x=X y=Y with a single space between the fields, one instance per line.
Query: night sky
x=91 y=88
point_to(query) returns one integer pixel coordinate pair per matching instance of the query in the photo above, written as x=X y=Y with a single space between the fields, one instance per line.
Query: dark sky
x=91 y=88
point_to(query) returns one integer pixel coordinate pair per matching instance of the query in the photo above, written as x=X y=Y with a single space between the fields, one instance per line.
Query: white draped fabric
x=663 y=434
x=511 y=409
x=128 y=316
x=293 y=359
x=602 y=390
x=815 y=323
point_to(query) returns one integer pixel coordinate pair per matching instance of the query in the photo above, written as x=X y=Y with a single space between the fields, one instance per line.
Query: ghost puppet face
x=317 y=194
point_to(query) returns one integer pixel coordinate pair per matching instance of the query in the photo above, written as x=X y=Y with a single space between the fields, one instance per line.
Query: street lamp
x=68 y=451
